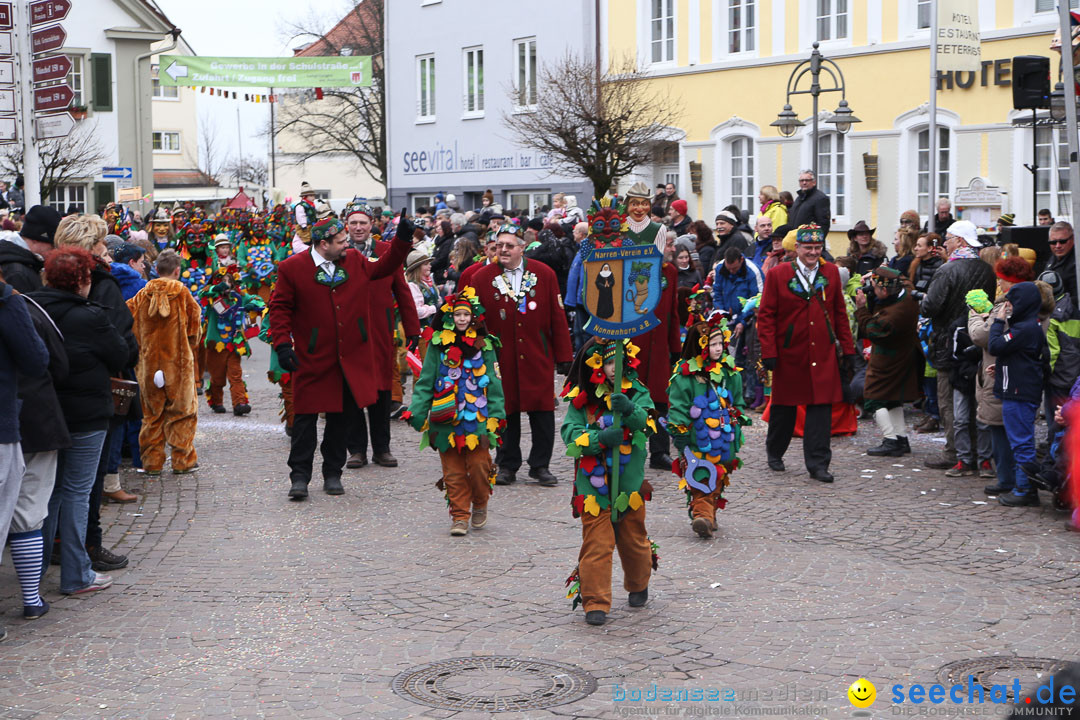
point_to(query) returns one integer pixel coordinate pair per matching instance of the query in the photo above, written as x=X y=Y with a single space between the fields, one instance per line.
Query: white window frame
x=475 y=97
x=669 y=48
x=722 y=10
x=163 y=135
x=831 y=17
x=910 y=124
x=168 y=93
x=840 y=220
x=1050 y=6
x=77 y=199
x=76 y=79
x=419 y=201
x=944 y=170
x=827 y=180
x=525 y=99
x=1057 y=174
x=425 y=92
x=537 y=199
x=724 y=135
x=749 y=193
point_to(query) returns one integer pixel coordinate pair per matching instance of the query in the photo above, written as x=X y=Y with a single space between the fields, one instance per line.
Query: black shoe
x=543 y=477
x=396 y=412
x=356 y=460
x=33 y=612
x=102 y=560
x=298 y=491
x=505 y=477
x=776 y=465
x=996 y=490
x=219 y=409
x=1034 y=474
x=638 y=599
x=822 y=475
x=593 y=617
x=241 y=409
x=1013 y=500
x=905 y=444
x=385 y=459
x=332 y=486
x=889 y=447
x=660 y=462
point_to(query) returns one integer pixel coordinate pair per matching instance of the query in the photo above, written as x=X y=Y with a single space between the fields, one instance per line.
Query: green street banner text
x=290 y=72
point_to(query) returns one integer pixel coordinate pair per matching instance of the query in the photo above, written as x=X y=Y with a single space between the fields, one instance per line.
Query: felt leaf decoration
x=446 y=337
x=682 y=484
x=578 y=504
x=220 y=346
x=492 y=425
x=635 y=501
x=471 y=442
x=590 y=505
x=582 y=440
x=622 y=502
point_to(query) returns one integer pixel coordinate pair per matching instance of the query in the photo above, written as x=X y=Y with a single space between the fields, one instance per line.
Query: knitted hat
x=725 y=215
x=357 y=206
x=679 y=206
x=326 y=229
x=40 y=224
x=1007 y=219
x=305 y=189
x=911 y=216
x=1028 y=254
x=127 y=252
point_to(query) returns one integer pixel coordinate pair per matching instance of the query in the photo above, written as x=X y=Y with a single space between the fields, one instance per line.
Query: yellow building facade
x=727 y=65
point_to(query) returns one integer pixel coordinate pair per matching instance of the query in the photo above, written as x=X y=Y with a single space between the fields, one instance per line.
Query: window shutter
x=101 y=81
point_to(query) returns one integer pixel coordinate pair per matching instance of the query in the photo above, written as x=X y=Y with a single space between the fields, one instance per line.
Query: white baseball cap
x=965 y=230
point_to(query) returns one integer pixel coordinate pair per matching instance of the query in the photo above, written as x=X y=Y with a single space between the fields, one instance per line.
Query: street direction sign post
x=49 y=127
x=47 y=39
x=6 y=18
x=7 y=100
x=45 y=11
x=7 y=130
x=116 y=173
x=53 y=97
x=290 y=72
x=51 y=68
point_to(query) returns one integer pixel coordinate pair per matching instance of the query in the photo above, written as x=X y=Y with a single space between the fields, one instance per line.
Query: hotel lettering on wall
x=991 y=72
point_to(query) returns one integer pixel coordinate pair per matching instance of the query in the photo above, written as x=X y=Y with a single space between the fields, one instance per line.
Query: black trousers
x=542 y=424
x=378 y=417
x=660 y=443
x=817 y=434
x=305 y=438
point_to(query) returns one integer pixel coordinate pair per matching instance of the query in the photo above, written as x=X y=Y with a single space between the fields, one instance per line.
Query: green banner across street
x=289 y=72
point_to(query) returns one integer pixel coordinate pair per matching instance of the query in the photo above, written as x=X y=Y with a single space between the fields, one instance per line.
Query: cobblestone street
x=238 y=603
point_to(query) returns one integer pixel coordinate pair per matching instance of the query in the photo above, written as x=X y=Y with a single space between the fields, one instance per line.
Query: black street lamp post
x=787 y=121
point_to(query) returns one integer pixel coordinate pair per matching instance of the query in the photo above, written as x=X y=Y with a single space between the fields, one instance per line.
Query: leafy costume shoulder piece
x=231 y=316
x=460 y=371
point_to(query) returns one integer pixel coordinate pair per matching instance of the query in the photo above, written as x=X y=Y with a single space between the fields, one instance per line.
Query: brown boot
x=702 y=527
x=120 y=496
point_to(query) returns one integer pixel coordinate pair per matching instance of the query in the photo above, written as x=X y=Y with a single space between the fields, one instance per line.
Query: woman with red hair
x=96 y=352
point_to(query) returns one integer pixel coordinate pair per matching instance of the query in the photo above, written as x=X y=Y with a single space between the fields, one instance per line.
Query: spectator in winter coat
x=864 y=249
x=763 y=229
x=22 y=258
x=1019 y=376
x=736 y=281
x=771 y=207
x=680 y=221
x=728 y=234
x=1063 y=261
x=811 y=205
x=927 y=259
x=127 y=267
x=704 y=245
x=940 y=222
x=689 y=275
x=904 y=245
x=943 y=305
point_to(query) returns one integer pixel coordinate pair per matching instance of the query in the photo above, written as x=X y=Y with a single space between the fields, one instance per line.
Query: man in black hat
x=22 y=259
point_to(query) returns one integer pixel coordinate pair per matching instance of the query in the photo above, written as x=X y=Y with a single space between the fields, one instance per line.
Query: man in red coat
x=320 y=305
x=657 y=347
x=383 y=295
x=524 y=310
x=801 y=319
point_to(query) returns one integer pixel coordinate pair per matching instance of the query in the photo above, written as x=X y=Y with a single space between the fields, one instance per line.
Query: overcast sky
x=230 y=28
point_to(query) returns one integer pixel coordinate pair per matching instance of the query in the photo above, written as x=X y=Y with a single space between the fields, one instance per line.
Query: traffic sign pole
x=31 y=161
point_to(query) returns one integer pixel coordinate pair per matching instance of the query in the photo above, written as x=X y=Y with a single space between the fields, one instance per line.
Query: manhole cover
x=992 y=671
x=494 y=684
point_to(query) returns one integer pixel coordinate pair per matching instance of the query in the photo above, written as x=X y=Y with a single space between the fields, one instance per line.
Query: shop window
x=831 y=177
x=926 y=199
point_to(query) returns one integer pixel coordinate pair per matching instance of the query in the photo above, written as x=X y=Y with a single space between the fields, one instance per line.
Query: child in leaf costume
x=705 y=419
x=591 y=438
x=457 y=405
x=230 y=319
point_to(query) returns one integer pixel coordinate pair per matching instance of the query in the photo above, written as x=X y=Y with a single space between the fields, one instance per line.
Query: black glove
x=562 y=368
x=621 y=404
x=286 y=357
x=610 y=437
x=404 y=228
x=769 y=363
x=412 y=342
x=847 y=366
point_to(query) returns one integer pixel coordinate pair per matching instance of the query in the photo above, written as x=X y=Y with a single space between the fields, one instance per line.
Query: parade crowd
x=112 y=329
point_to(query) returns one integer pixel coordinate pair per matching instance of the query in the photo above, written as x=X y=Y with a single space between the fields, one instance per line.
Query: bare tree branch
x=347 y=121
x=63 y=161
x=603 y=132
x=247 y=170
x=210 y=160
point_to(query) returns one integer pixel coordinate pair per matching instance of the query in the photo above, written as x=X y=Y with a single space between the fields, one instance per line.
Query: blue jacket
x=728 y=288
x=131 y=282
x=574 y=283
x=21 y=350
x=762 y=247
x=1023 y=360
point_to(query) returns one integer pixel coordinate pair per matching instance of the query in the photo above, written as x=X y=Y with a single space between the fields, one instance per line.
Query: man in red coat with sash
x=524 y=310
x=801 y=320
x=383 y=295
x=320 y=328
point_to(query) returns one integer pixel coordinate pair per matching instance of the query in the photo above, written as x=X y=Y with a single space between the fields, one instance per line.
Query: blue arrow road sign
x=113 y=173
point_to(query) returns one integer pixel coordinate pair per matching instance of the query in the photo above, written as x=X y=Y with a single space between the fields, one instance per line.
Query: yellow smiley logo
x=862 y=693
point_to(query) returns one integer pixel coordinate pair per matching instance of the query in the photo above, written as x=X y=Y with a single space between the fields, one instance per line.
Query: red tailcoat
x=794 y=330
x=532 y=342
x=658 y=344
x=467 y=273
x=383 y=293
x=329 y=328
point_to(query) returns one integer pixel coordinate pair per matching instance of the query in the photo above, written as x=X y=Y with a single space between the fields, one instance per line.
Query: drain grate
x=990 y=671
x=494 y=684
